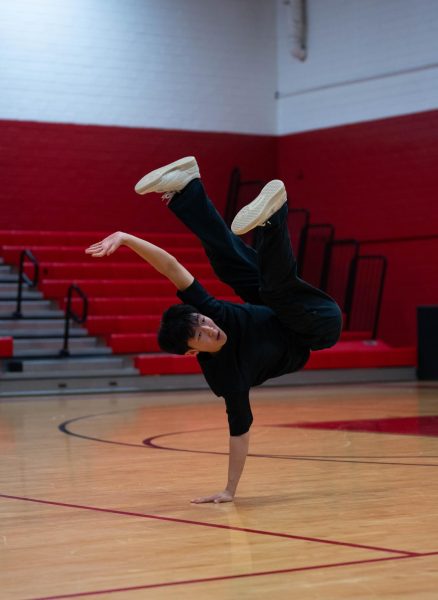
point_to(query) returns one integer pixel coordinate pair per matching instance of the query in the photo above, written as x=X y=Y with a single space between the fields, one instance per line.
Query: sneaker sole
x=271 y=198
x=149 y=181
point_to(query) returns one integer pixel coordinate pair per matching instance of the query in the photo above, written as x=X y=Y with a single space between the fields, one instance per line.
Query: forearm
x=238 y=452
x=160 y=260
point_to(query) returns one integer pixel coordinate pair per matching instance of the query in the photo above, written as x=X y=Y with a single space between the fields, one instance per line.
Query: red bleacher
x=57 y=254
x=133 y=343
x=361 y=355
x=6 y=347
x=138 y=343
x=120 y=288
x=345 y=355
x=126 y=298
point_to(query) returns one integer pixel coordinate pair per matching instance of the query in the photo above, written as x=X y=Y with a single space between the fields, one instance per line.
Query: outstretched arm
x=239 y=420
x=236 y=461
x=162 y=261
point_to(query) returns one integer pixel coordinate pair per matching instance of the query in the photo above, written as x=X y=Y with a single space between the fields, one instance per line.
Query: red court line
x=213 y=525
x=221 y=578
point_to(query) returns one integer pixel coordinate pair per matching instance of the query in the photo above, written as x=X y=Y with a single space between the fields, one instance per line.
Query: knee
x=332 y=332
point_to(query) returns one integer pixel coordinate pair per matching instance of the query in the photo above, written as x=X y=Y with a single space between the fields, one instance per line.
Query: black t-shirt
x=258 y=347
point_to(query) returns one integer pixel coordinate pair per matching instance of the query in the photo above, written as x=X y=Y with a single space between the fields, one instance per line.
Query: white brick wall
x=184 y=64
x=391 y=45
x=214 y=65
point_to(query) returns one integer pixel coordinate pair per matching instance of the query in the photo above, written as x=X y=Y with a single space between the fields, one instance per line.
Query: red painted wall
x=412 y=280
x=64 y=177
x=376 y=182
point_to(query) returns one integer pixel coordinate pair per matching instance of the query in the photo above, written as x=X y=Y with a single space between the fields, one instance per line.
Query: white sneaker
x=170 y=178
x=271 y=198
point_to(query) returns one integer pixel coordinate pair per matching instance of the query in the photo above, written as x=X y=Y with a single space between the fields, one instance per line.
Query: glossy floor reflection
x=338 y=498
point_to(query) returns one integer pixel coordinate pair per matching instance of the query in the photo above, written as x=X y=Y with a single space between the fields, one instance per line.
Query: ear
x=191 y=352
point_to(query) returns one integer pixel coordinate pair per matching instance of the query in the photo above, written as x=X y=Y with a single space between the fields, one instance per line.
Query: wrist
x=124 y=238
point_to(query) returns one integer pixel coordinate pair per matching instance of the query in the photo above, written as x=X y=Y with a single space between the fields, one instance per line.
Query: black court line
x=151 y=443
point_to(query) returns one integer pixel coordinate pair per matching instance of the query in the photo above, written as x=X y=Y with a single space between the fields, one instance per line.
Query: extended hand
x=107 y=246
x=216 y=498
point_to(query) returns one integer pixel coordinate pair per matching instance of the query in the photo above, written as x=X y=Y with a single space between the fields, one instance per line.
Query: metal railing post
x=23 y=277
x=303 y=252
x=355 y=293
x=70 y=314
x=351 y=284
x=339 y=277
x=297 y=244
x=380 y=294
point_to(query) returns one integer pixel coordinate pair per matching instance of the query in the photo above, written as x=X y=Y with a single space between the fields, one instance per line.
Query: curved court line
x=150 y=443
x=63 y=428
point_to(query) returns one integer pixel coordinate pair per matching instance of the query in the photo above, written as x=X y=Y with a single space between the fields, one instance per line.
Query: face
x=208 y=337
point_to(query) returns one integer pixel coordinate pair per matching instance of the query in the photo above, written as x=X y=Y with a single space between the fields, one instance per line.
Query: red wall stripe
x=375 y=181
x=372 y=180
x=82 y=177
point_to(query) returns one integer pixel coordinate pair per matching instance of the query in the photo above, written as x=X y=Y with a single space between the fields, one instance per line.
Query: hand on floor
x=215 y=498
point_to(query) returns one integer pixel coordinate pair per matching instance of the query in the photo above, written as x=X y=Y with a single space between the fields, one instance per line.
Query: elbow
x=171 y=264
x=242 y=435
x=170 y=267
x=241 y=429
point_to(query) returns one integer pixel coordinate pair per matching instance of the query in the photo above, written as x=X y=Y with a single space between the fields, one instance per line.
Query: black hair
x=177 y=326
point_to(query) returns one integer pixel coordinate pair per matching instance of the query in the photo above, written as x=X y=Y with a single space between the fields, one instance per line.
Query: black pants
x=266 y=274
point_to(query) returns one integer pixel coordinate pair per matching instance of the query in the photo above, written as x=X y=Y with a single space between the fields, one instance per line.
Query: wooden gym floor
x=339 y=498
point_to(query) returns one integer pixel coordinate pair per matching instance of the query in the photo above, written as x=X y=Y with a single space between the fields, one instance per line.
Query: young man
x=238 y=346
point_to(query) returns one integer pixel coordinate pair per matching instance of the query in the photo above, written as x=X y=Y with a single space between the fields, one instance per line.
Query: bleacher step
x=71 y=364
x=55 y=352
x=31 y=313
x=107 y=270
x=82 y=344
x=44 y=333
x=37 y=385
x=11 y=288
x=6 y=277
x=345 y=355
x=36 y=325
x=50 y=375
x=28 y=307
x=132 y=304
x=10 y=293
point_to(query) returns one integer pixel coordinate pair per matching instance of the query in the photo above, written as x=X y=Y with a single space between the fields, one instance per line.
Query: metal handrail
x=383 y=260
x=326 y=254
x=346 y=300
x=23 y=277
x=70 y=314
x=291 y=217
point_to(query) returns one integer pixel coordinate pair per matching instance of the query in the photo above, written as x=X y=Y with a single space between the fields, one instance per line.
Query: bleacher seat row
x=126 y=298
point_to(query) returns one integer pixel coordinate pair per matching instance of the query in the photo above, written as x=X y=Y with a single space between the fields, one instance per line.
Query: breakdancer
x=238 y=346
